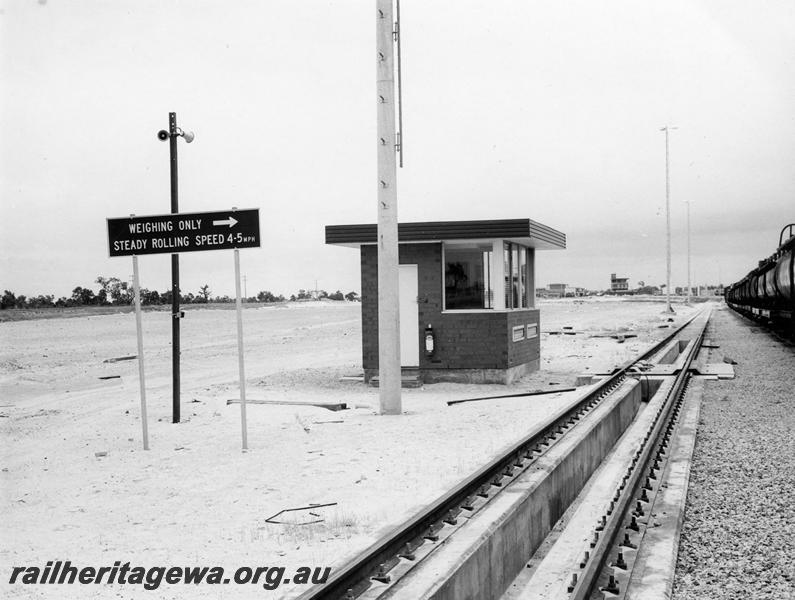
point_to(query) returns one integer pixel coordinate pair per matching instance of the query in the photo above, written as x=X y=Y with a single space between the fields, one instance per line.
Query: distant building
x=619 y=285
x=562 y=290
x=648 y=290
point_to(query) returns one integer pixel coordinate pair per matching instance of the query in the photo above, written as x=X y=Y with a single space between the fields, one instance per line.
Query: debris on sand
x=304 y=425
x=332 y=406
x=356 y=378
x=624 y=336
x=120 y=358
x=310 y=508
x=521 y=395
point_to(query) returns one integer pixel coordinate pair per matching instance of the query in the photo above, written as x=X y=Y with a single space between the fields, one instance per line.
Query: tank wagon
x=768 y=292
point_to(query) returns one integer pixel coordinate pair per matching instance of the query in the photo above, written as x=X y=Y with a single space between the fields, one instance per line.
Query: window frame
x=520 y=287
x=525 y=278
x=488 y=269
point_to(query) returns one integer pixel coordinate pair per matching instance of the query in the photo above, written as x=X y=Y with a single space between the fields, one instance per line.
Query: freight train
x=768 y=292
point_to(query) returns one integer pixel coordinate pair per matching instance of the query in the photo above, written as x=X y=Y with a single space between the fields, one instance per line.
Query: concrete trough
x=672 y=352
x=485 y=555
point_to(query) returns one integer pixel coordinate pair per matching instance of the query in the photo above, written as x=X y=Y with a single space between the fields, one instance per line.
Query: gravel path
x=738 y=539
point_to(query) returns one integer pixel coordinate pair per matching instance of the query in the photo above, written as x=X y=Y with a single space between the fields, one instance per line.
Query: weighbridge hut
x=467 y=301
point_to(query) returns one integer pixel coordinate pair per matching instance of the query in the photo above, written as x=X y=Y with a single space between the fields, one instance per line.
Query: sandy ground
x=76 y=484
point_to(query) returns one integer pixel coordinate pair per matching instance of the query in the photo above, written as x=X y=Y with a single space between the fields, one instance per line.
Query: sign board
x=184 y=232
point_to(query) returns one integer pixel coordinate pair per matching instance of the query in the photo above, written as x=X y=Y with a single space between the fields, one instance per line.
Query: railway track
x=378 y=571
x=618 y=534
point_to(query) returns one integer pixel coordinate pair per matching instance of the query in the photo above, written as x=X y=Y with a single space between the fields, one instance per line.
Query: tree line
x=113 y=291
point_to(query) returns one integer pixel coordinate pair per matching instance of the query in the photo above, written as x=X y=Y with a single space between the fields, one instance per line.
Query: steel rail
x=584 y=584
x=354 y=578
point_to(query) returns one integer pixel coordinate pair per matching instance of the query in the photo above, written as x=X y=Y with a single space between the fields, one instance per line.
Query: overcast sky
x=547 y=110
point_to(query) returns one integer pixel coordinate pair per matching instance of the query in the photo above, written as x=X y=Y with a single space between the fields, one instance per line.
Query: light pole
x=668 y=308
x=171 y=135
x=688 y=250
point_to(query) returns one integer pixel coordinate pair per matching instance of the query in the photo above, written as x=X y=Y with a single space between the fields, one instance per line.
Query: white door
x=409 y=317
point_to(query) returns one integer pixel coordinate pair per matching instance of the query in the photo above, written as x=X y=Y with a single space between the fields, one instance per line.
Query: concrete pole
x=388 y=307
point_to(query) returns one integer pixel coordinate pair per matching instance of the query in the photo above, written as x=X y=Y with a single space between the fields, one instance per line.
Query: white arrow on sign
x=231 y=221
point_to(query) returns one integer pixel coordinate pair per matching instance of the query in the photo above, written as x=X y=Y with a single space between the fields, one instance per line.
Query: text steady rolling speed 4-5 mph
x=183 y=232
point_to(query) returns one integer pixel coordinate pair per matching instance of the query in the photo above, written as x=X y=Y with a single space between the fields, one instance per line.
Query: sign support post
x=239 y=306
x=139 y=328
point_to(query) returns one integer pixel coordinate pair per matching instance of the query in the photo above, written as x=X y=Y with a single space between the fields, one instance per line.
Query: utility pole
x=388 y=309
x=668 y=308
